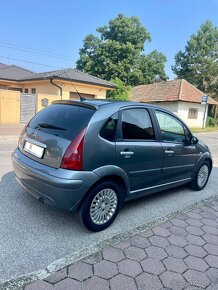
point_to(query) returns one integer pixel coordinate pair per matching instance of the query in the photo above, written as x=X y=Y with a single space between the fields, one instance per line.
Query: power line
x=47 y=65
x=33 y=50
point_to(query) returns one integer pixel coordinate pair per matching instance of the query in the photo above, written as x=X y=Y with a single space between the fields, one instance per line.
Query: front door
x=137 y=150
x=180 y=155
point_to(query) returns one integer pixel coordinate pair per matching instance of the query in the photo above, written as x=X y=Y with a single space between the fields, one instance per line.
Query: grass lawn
x=207 y=129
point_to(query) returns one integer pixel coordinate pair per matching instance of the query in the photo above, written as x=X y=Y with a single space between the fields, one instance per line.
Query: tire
x=97 y=215
x=201 y=177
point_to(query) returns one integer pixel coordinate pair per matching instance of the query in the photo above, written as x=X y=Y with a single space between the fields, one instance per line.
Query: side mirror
x=194 y=140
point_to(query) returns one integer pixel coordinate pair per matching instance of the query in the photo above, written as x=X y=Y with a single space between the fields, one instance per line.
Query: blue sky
x=60 y=26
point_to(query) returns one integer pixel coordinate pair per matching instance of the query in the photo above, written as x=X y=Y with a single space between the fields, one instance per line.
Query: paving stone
x=159 y=241
x=196 y=263
x=196 y=278
x=95 y=283
x=94 y=258
x=148 y=281
x=196 y=251
x=42 y=285
x=208 y=215
x=212 y=274
x=212 y=239
x=184 y=216
x=177 y=241
x=194 y=231
x=195 y=240
x=135 y=253
x=197 y=210
x=205 y=208
x=152 y=266
x=139 y=241
x=122 y=282
x=122 y=245
x=173 y=280
x=105 y=269
x=177 y=231
x=175 y=251
x=129 y=267
x=194 y=215
x=113 y=254
x=161 y=231
x=211 y=249
x=156 y=252
x=209 y=222
x=57 y=276
x=67 y=284
x=80 y=271
x=179 y=223
x=194 y=222
x=147 y=234
x=175 y=265
x=212 y=287
x=212 y=261
x=192 y=288
x=166 y=224
x=210 y=230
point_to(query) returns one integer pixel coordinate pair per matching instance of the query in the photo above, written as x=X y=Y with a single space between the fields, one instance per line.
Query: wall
x=171 y=106
x=9 y=107
x=183 y=114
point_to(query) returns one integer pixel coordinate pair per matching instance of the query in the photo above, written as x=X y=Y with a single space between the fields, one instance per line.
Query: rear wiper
x=49 y=126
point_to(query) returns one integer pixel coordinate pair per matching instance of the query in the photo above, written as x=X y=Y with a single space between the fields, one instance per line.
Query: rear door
x=51 y=131
x=137 y=150
x=180 y=155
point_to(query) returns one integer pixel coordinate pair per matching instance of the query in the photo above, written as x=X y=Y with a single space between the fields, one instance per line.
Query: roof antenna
x=80 y=97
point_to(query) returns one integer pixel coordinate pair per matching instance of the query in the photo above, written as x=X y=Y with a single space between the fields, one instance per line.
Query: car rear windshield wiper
x=49 y=126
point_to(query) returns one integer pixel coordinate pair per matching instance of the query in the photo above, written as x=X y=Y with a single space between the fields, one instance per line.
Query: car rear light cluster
x=73 y=157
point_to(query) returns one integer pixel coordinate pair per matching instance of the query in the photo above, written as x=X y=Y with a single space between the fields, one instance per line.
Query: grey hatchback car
x=93 y=155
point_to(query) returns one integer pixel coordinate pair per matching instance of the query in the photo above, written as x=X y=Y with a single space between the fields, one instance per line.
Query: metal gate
x=27 y=107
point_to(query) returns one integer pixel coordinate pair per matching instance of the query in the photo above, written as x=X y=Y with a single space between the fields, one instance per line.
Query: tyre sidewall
x=85 y=208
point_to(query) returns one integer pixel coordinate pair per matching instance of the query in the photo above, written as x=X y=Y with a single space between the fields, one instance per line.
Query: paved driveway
x=34 y=235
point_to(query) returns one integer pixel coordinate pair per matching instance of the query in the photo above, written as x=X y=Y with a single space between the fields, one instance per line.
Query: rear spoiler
x=76 y=103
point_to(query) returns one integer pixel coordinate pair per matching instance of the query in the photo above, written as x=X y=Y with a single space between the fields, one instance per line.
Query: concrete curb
x=78 y=255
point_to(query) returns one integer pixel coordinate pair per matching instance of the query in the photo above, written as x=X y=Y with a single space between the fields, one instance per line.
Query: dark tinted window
x=136 y=124
x=172 y=130
x=109 y=129
x=67 y=120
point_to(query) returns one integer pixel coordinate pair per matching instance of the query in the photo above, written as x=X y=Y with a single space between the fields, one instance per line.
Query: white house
x=178 y=96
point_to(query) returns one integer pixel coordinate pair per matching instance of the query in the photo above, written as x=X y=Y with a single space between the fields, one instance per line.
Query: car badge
x=34 y=134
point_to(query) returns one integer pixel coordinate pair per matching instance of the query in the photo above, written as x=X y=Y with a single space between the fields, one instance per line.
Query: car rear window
x=62 y=120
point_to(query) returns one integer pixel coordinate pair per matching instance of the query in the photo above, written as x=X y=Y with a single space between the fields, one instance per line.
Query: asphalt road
x=33 y=235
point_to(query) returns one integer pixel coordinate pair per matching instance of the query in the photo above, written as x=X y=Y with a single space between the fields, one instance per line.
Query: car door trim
x=179 y=166
x=164 y=184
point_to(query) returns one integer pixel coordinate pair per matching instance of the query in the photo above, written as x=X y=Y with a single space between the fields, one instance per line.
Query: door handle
x=169 y=152
x=126 y=154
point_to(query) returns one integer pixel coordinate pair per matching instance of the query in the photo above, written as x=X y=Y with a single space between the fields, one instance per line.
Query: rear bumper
x=58 y=187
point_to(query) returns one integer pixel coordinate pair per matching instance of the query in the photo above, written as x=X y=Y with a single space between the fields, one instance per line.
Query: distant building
x=178 y=96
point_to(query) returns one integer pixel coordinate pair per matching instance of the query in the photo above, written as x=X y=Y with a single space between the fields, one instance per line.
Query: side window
x=136 y=125
x=108 y=131
x=171 y=129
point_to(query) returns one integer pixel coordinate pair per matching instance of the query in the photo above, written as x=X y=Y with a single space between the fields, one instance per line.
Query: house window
x=33 y=90
x=26 y=91
x=193 y=113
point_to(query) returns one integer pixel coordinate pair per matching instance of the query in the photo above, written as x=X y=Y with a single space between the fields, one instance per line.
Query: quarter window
x=108 y=131
x=172 y=130
x=136 y=125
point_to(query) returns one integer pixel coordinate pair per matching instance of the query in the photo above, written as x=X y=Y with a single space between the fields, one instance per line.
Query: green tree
x=198 y=64
x=122 y=91
x=118 y=51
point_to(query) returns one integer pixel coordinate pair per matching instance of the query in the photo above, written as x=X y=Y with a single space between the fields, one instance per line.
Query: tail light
x=73 y=157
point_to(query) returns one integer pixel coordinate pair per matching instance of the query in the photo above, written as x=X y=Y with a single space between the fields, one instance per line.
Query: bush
x=122 y=92
x=210 y=122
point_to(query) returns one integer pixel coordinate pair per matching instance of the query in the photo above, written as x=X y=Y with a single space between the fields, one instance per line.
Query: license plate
x=33 y=149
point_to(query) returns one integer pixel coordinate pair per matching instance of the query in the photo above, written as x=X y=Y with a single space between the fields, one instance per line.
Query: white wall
x=181 y=109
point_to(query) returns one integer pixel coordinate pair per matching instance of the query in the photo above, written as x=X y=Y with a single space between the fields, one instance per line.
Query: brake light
x=73 y=157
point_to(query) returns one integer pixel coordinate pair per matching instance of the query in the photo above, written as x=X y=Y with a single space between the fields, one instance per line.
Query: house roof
x=169 y=91
x=16 y=73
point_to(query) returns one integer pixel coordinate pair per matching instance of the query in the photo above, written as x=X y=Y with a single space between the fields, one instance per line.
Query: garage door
x=27 y=107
